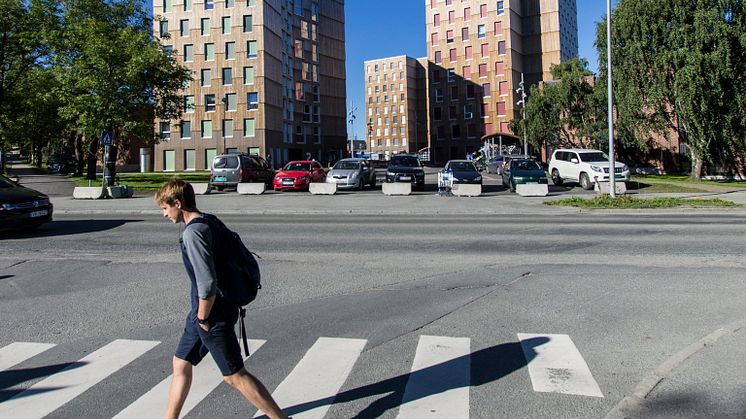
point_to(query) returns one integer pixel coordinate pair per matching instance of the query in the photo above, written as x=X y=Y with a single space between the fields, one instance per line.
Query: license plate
x=341 y=180
x=220 y=178
x=405 y=178
x=39 y=213
x=287 y=182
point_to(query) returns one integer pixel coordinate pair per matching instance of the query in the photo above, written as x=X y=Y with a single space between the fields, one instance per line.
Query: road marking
x=438 y=386
x=556 y=365
x=205 y=377
x=17 y=352
x=318 y=376
x=49 y=394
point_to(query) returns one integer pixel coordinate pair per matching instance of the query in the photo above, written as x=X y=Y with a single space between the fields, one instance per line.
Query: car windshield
x=526 y=165
x=297 y=166
x=463 y=166
x=225 y=162
x=405 y=161
x=593 y=157
x=347 y=165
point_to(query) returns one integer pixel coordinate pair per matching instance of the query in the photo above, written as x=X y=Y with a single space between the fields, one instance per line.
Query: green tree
x=679 y=67
x=113 y=75
x=566 y=111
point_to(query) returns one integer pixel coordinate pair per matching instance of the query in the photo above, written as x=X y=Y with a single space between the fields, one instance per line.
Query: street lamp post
x=222 y=123
x=351 y=120
x=612 y=172
x=522 y=102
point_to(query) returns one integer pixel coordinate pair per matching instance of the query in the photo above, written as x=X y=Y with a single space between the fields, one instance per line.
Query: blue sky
x=404 y=34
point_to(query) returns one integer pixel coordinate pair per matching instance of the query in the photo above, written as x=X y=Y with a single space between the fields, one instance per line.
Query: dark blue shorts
x=221 y=342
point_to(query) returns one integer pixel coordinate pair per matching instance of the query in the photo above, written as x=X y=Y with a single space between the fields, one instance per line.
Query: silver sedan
x=352 y=173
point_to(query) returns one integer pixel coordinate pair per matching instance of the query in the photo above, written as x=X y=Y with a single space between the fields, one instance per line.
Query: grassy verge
x=628 y=202
x=678 y=183
x=146 y=181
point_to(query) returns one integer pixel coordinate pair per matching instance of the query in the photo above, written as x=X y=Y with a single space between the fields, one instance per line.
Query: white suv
x=584 y=166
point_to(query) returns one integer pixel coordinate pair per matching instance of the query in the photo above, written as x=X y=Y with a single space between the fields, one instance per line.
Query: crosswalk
x=437 y=386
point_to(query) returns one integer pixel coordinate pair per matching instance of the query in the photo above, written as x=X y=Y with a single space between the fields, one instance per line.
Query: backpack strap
x=242 y=330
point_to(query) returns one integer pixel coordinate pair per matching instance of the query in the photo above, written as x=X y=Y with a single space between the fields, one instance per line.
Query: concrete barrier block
x=247 y=188
x=397 y=188
x=532 y=189
x=122 y=191
x=459 y=189
x=319 y=188
x=602 y=188
x=88 y=192
x=201 y=188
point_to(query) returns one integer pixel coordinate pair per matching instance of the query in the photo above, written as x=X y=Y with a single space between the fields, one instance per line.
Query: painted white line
x=438 y=386
x=17 y=352
x=49 y=394
x=556 y=366
x=205 y=377
x=318 y=376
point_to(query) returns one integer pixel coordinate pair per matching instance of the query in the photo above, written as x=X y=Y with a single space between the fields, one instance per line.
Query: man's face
x=172 y=212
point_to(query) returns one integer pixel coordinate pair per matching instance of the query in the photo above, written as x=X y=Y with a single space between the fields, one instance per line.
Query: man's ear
x=177 y=204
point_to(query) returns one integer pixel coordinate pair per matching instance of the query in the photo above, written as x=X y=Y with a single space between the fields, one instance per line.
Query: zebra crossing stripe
x=206 y=376
x=438 y=386
x=318 y=376
x=49 y=394
x=556 y=365
x=17 y=352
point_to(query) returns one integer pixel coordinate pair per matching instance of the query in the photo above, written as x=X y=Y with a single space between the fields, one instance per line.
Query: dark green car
x=519 y=171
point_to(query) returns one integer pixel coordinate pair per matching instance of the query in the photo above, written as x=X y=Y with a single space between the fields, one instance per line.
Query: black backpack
x=239 y=278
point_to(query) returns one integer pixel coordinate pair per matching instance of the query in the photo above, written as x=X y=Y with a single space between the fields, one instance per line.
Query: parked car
x=297 y=175
x=352 y=173
x=463 y=171
x=523 y=171
x=22 y=208
x=406 y=168
x=228 y=170
x=584 y=166
x=61 y=163
x=379 y=167
x=497 y=163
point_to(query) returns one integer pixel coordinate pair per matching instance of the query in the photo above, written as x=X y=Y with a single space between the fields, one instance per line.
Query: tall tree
x=113 y=74
x=678 y=66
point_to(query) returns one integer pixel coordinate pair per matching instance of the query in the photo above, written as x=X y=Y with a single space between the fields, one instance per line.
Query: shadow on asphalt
x=9 y=379
x=67 y=227
x=487 y=365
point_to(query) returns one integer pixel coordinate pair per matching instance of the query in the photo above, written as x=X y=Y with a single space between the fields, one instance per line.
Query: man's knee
x=237 y=377
x=181 y=367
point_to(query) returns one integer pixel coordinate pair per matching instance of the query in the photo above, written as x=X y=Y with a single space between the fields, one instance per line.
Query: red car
x=297 y=175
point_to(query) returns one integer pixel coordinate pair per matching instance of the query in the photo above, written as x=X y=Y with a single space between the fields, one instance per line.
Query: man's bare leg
x=182 y=380
x=255 y=393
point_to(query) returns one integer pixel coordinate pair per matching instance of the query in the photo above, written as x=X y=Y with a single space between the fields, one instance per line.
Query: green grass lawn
x=679 y=183
x=147 y=181
x=628 y=202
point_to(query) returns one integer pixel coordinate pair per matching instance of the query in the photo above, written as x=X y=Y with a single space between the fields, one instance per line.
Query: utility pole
x=224 y=99
x=612 y=164
x=351 y=119
x=416 y=139
x=522 y=104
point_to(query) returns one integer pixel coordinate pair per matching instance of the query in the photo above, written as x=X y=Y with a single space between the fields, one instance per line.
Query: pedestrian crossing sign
x=107 y=138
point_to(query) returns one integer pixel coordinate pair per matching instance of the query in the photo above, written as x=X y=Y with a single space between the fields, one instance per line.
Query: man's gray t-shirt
x=198 y=241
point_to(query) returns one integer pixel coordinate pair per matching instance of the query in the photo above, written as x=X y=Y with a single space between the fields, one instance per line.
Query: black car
x=61 y=163
x=22 y=208
x=463 y=171
x=406 y=168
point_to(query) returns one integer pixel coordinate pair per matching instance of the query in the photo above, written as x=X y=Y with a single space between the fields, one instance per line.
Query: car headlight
x=419 y=174
x=390 y=173
x=597 y=169
x=517 y=177
x=303 y=178
x=354 y=175
x=478 y=179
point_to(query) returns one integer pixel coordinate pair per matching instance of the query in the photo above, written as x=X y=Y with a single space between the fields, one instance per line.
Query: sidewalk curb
x=631 y=406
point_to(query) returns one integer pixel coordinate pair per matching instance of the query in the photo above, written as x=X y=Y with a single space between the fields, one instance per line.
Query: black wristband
x=202 y=321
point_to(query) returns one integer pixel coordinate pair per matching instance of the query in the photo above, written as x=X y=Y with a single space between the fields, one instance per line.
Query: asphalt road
x=629 y=292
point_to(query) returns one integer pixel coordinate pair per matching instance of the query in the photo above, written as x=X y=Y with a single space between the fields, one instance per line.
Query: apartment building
x=395 y=105
x=268 y=79
x=477 y=51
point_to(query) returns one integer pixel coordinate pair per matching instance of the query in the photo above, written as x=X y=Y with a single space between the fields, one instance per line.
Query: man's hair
x=176 y=189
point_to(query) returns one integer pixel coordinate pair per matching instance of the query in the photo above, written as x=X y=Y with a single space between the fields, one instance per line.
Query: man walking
x=211 y=321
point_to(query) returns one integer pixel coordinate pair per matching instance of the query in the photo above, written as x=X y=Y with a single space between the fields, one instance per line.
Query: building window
x=454 y=92
x=485 y=110
x=482 y=70
x=481 y=31
x=249 y=129
x=227 y=76
x=188 y=5
x=500 y=7
x=438 y=57
x=501 y=109
x=189 y=104
x=501 y=48
x=165 y=129
x=230 y=102
x=190 y=159
x=487 y=129
x=467 y=13
x=456 y=131
x=434 y=38
x=451 y=75
x=500 y=68
x=498 y=28
x=485 y=50
x=204 y=26
x=251 y=49
x=209 y=52
x=438 y=95
x=163 y=29
x=188 y=52
x=209 y=103
x=451 y=16
x=467 y=52
x=466 y=71
x=505 y=126
x=437 y=113
x=252 y=100
x=166 y=6
x=503 y=88
x=225 y=25
x=436 y=76
x=230 y=3
x=465 y=34
x=230 y=50
x=205 y=77
x=452 y=54
x=248 y=24
x=206 y=129
x=169 y=160
x=436 y=21
x=486 y=90
x=470 y=91
x=248 y=75
x=184 y=27
x=482 y=11
x=209 y=4
x=186 y=130
x=468 y=111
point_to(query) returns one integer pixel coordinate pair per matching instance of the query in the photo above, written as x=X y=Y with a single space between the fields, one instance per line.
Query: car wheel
x=361 y=185
x=219 y=188
x=585 y=183
x=556 y=179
